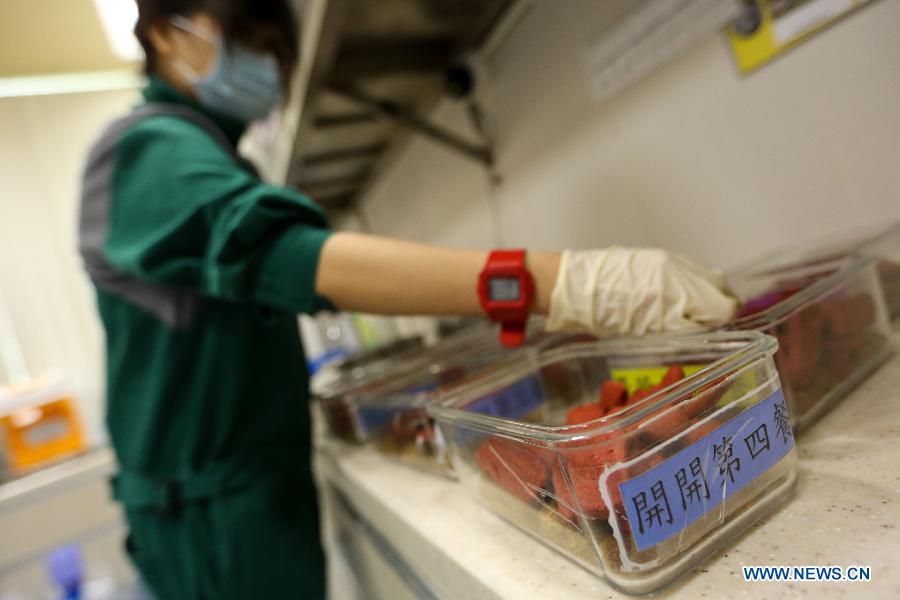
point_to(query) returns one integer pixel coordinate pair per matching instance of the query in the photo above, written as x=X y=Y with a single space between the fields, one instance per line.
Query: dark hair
x=265 y=25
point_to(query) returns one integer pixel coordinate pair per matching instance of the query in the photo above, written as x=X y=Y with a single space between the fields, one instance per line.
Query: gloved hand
x=633 y=291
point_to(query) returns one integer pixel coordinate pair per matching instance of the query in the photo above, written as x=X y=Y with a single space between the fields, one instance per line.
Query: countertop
x=845 y=512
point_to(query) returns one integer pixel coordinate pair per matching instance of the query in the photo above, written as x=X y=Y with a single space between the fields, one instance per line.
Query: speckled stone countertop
x=845 y=512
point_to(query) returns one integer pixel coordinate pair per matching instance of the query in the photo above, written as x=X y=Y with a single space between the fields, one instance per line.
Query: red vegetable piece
x=517 y=468
x=612 y=394
x=584 y=413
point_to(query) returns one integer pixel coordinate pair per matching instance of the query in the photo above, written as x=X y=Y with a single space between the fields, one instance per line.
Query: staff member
x=200 y=268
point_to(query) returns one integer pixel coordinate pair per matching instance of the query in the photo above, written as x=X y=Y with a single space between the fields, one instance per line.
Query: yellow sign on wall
x=768 y=28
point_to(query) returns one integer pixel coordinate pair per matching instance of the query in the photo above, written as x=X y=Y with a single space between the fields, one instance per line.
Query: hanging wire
x=491 y=196
x=362 y=218
x=486 y=132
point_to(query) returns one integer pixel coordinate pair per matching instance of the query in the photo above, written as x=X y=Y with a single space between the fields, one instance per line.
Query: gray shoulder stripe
x=177 y=308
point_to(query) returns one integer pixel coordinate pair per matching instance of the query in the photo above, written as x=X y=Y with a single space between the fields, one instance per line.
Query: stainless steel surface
x=373 y=55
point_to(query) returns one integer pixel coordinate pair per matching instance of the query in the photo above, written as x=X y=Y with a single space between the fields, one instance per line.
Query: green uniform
x=200 y=269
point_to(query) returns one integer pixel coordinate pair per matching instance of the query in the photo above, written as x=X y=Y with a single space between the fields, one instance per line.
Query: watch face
x=504 y=289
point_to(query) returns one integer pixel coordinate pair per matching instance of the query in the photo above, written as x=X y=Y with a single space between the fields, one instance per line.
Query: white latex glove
x=633 y=291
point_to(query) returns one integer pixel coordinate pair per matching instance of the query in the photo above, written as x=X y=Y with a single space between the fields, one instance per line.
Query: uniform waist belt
x=140 y=491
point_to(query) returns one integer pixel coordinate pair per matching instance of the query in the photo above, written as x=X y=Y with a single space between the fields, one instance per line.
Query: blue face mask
x=242 y=83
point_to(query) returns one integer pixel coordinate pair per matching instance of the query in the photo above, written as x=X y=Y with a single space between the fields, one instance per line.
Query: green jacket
x=200 y=268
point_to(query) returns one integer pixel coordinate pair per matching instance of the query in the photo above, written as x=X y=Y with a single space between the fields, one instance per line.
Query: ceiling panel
x=53 y=36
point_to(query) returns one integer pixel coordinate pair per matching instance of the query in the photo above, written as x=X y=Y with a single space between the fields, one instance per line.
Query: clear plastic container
x=646 y=492
x=356 y=371
x=880 y=242
x=336 y=389
x=391 y=416
x=389 y=412
x=831 y=323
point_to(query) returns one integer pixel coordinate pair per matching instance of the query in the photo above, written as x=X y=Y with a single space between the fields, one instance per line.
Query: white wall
x=695 y=157
x=44 y=142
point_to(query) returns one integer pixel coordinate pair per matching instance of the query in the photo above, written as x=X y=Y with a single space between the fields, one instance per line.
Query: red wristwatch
x=506 y=291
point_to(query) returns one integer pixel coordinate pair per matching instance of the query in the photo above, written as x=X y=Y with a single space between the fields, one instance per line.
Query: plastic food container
x=643 y=494
x=389 y=412
x=831 y=323
x=881 y=243
x=356 y=371
x=391 y=416
x=335 y=390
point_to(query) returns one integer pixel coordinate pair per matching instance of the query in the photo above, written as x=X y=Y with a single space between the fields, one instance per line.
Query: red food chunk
x=612 y=394
x=840 y=363
x=600 y=450
x=586 y=460
x=584 y=413
x=620 y=475
x=845 y=343
x=848 y=315
x=675 y=373
x=584 y=467
x=585 y=481
x=639 y=395
x=663 y=425
x=800 y=338
x=517 y=468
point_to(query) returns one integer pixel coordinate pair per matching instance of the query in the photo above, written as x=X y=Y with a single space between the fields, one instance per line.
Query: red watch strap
x=512 y=333
x=508 y=258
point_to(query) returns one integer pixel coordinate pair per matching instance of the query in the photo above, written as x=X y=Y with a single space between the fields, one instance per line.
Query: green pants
x=257 y=542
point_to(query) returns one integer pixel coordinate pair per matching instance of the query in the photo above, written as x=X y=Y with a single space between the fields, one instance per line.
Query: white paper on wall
x=627 y=40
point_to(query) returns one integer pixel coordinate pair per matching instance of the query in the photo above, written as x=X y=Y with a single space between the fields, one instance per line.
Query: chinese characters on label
x=669 y=497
